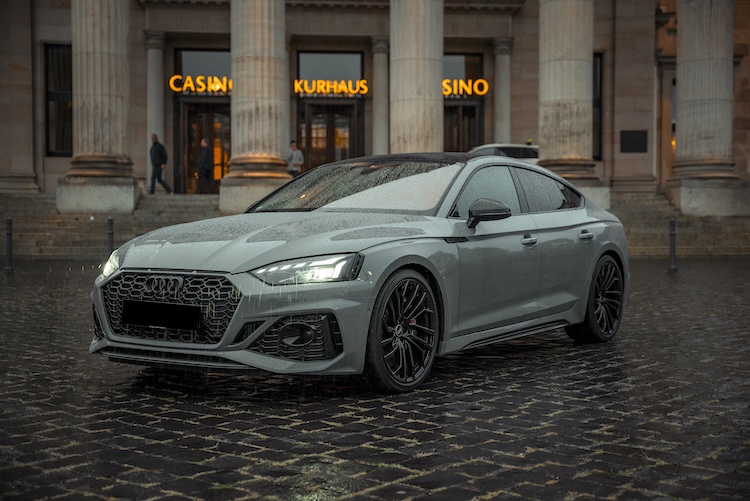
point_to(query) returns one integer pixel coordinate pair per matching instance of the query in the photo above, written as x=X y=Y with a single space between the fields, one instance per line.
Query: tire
x=604 y=305
x=403 y=334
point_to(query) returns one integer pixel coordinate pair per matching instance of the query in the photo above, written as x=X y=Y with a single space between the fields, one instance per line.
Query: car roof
x=454 y=157
x=505 y=145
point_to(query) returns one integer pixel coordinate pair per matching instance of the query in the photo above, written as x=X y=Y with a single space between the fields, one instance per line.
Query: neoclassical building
x=647 y=96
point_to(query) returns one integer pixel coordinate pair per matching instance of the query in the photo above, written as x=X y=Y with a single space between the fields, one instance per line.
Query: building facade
x=620 y=95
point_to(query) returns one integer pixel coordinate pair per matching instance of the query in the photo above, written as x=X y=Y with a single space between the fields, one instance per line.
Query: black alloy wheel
x=604 y=306
x=403 y=334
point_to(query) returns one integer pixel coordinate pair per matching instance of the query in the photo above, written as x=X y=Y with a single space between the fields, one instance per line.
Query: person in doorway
x=294 y=160
x=158 y=156
x=205 y=168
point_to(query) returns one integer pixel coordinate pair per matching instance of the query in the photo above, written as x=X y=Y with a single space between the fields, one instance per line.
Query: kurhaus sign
x=204 y=84
x=331 y=87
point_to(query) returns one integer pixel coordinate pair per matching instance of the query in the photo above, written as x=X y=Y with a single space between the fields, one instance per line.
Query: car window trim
x=527 y=209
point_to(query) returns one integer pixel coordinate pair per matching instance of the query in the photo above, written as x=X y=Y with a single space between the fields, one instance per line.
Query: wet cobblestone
x=662 y=412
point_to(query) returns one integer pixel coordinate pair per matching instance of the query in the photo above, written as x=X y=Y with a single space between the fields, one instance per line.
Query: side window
x=545 y=194
x=512 y=151
x=494 y=183
x=58 y=87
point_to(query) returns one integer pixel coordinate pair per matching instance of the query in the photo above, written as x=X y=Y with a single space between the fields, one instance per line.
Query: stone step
x=40 y=232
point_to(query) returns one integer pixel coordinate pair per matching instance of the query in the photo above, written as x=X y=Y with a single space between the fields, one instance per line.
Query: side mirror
x=485 y=209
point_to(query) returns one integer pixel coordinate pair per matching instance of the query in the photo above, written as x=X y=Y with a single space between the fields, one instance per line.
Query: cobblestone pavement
x=662 y=412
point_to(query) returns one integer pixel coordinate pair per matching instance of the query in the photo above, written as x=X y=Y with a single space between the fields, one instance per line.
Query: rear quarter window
x=545 y=194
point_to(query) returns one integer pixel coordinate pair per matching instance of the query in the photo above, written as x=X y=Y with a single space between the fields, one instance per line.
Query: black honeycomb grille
x=215 y=296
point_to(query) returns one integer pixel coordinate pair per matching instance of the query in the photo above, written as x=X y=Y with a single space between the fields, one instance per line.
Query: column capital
x=502 y=45
x=154 y=39
x=379 y=45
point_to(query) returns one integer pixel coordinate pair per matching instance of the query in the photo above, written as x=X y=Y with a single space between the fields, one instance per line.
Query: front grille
x=215 y=296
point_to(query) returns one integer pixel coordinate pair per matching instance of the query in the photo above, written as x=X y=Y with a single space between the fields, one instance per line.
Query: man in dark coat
x=158 y=156
x=205 y=168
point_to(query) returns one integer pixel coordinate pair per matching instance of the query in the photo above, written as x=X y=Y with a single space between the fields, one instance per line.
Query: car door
x=499 y=262
x=565 y=239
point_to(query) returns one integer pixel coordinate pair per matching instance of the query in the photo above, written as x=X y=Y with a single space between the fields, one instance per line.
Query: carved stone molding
x=502 y=46
x=154 y=39
x=379 y=45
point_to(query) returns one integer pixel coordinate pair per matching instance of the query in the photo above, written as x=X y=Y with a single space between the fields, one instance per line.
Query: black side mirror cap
x=485 y=209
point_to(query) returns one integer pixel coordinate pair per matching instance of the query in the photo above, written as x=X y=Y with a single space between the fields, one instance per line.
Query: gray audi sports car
x=369 y=266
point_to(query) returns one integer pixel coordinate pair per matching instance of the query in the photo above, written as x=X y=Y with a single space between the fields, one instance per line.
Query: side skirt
x=505 y=336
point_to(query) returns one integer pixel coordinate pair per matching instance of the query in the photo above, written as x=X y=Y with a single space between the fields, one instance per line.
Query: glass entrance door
x=462 y=126
x=210 y=121
x=329 y=132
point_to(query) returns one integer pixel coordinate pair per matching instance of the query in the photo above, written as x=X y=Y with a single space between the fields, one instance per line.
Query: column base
x=97 y=194
x=242 y=189
x=710 y=197
x=570 y=169
x=18 y=184
x=703 y=169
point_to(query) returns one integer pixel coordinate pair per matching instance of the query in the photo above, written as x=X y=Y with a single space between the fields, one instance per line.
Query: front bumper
x=144 y=317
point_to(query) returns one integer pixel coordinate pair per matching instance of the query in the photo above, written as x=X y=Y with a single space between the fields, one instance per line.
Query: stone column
x=101 y=176
x=416 y=72
x=502 y=48
x=704 y=182
x=260 y=91
x=17 y=85
x=705 y=39
x=154 y=92
x=379 y=89
x=566 y=52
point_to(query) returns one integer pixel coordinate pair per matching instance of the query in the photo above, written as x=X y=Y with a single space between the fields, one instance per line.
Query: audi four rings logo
x=163 y=284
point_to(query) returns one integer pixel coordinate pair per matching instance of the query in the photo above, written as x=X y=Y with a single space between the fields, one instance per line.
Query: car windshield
x=407 y=185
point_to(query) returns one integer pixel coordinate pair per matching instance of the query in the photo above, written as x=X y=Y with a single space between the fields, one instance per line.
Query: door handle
x=528 y=240
x=585 y=235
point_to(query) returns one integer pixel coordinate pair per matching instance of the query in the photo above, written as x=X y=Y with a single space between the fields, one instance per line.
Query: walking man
x=158 y=161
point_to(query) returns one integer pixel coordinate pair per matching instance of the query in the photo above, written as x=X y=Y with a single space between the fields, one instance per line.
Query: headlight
x=311 y=270
x=111 y=266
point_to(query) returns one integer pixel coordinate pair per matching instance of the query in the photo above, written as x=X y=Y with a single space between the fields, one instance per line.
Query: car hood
x=246 y=241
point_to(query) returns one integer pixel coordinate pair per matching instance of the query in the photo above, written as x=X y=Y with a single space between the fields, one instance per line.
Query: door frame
x=461 y=104
x=181 y=137
x=356 y=134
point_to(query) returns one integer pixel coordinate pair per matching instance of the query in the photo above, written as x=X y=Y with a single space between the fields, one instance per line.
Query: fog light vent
x=302 y=337
x=98 y=331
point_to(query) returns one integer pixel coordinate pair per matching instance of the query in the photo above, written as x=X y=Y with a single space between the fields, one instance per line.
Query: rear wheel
x=604 y=306
x=403 y=334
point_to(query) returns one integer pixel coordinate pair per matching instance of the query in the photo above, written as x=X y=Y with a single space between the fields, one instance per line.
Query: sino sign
x=478 y=87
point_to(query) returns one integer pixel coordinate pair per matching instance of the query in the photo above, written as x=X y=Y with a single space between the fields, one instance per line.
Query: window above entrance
x=202 y=73
x=330 y=74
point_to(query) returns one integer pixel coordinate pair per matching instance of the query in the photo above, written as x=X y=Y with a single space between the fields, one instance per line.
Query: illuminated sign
x=478 y=87
x=200 y=84
x=328 y=87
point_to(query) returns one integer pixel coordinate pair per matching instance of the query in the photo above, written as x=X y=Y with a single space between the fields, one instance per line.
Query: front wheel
x=604 y=305
x=403 y=335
